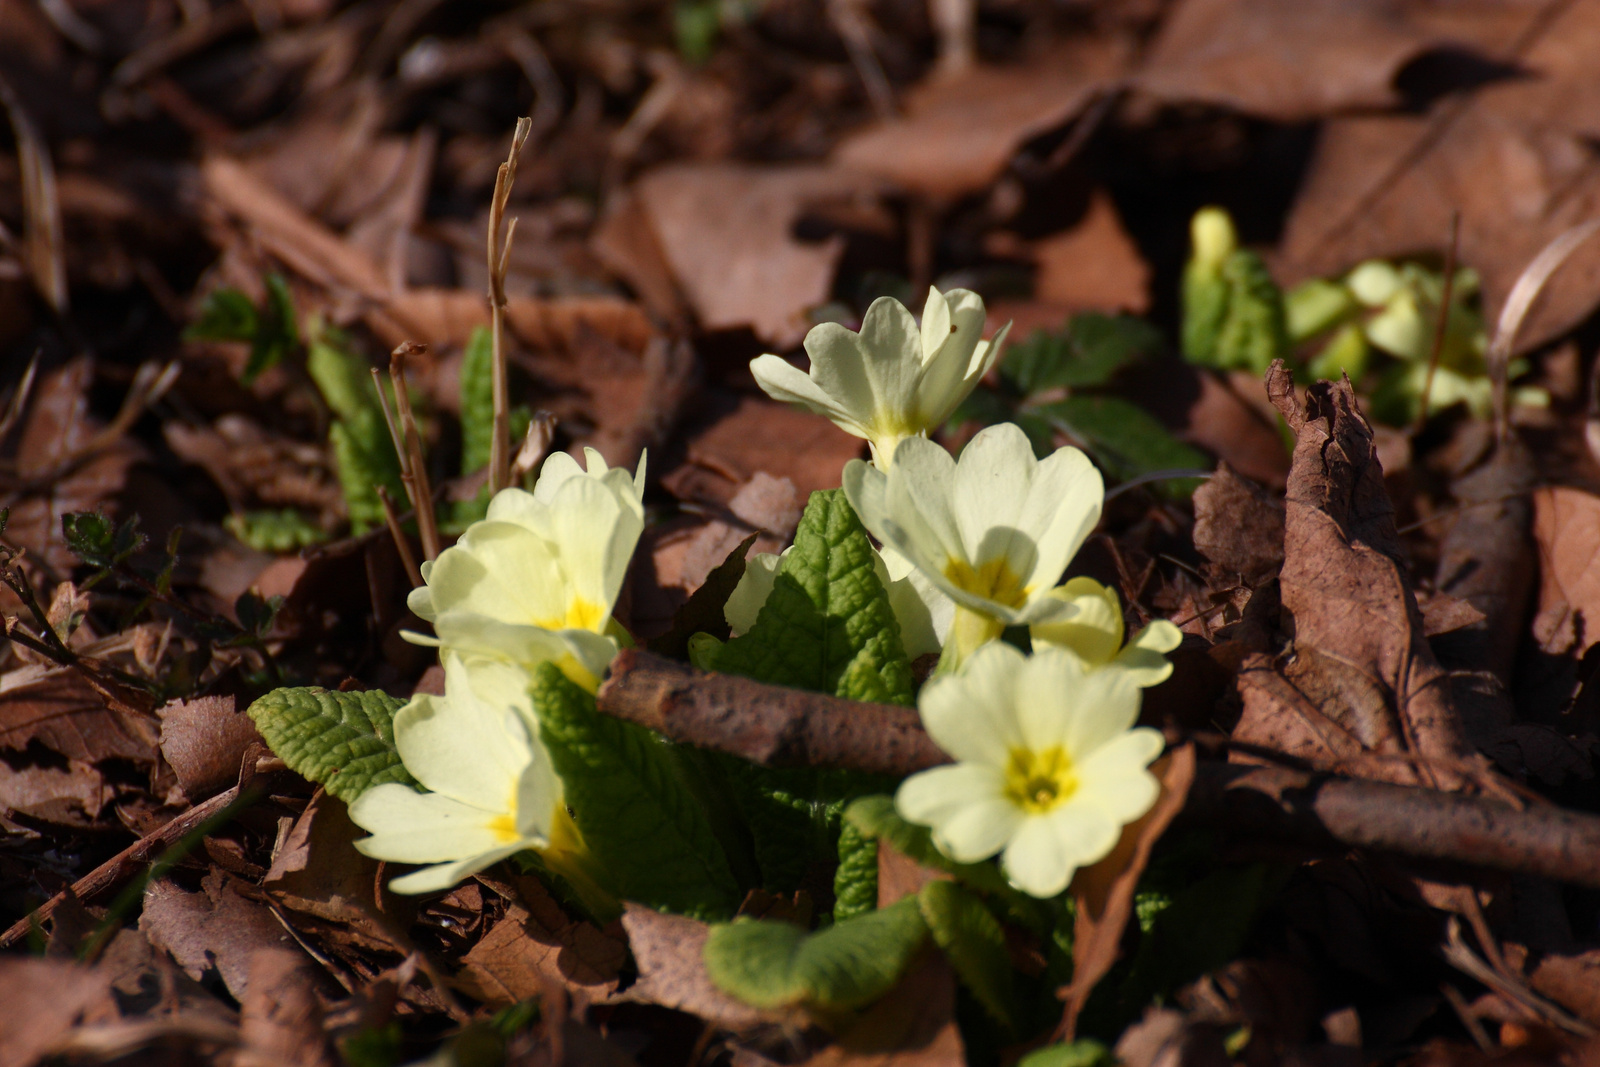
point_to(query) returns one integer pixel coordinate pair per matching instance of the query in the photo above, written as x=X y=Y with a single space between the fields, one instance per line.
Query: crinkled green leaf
x=1233 y=316
x=345 y=741
x=843 y=966
x=855 y=883
x=636 y=814
x=477 y=401
x=827 y=626
x=226 y=315
x=1124 y=438
x=1088 y=351
x=972 y=940
x=275 y=530
x=793 y=814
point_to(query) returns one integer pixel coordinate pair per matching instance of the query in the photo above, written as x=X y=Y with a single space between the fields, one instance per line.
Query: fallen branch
x=775 y=726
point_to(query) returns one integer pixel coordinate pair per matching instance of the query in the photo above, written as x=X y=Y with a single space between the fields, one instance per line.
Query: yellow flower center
x=1036 y=782
x=993 y=579
x=581 y=615
x=504 y=828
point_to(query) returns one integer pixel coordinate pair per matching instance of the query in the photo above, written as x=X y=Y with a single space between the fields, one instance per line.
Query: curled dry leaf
x=959 y=133
x=1104 y=892
x=60 y=710
x=1362 y=660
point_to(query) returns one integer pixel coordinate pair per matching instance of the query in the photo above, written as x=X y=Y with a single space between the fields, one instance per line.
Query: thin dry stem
x=500 y=447
x=414 y=467
x=391 y=519
x=1443 y=323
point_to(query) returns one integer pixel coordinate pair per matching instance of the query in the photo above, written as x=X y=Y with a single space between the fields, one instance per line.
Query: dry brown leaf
x=317 y=872
x=1512 y=158
x=960 y=133
x=727 y=231
x=1094 y=265
x=58 y=458
x=1358 y=632
x=667 y=949
x=1287 y=62
x=1239 y=526
x=44 y=1000
x=56 y=707
x=1104 y=892
x=625 y=242
x=1223 y=421
x=900 y=876
x=218 y=929
x=913 y=1025
x=1566 y=529
x=520 y=957
x=73 y=795
x=759 y=435
x=280 y=1020
x=448 y=317
x=204 y=739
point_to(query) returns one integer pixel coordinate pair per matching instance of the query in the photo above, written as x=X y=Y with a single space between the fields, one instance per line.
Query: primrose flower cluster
x=1049 y=767
x=533 y=582
x=1049 y=764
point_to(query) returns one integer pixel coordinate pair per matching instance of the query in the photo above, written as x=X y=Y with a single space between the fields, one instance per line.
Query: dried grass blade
x=43 y=246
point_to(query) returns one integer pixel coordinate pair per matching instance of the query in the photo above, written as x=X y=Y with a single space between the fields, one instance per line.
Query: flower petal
x=1115 y=778
x=744 y=604
x=1106 y=704
x=930 y=797
x=1093 y=630
x=978 y=831
x=787 y=384
x=1036 y=860
x=445 y=875
x=1061 y=510
x=411 y=827
x=889 y=345
x=457 y=744
x=973 y=715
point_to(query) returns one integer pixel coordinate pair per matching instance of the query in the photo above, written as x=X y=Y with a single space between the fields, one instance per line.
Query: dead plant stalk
x=499 y=253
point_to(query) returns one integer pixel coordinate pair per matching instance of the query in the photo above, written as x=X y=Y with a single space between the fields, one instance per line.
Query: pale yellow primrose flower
x=1049 y=768
x=993 y=531
x=1094 y=634
x=494 y=791
x=892 y=380
x=537 y=578
x=922 y=611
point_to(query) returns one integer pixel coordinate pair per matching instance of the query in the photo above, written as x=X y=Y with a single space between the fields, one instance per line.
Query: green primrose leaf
x=345 y=741
x=226 y=315
x=1125 y=438
x=276 y=334
x=874 y=817
x=1084 y=1052
x=275 y=530
x=827 y=626
x=1233 y=315
x=1087 y=352
x=362 y=451
x=855 y=883
x=636 y=813
x=971 y=938
x=477 y=401
x=843 y=966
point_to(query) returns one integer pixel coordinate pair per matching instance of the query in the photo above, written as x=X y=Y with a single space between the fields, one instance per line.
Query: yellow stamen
x=1036 y=782
x=993 y=579
x=581 y=615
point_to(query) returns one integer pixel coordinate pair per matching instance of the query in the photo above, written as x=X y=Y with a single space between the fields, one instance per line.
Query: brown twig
x=402 y=544
x=122 y=866
x=499 y=254
x=413 y=464
x=766 y=724
x=775 y=726
x=1445 y=296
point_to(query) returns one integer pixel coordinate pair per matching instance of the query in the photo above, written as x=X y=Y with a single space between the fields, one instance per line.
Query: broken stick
x=776 y=726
